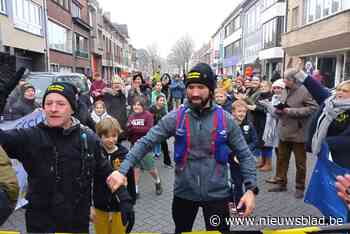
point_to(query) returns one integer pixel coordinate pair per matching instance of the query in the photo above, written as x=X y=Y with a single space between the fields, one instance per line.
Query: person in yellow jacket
x=9 y=188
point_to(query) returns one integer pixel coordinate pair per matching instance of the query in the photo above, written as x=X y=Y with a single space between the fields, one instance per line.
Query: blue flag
x=322 y=192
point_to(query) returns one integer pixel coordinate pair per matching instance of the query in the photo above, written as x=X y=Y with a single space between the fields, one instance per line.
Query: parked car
x=41 y=80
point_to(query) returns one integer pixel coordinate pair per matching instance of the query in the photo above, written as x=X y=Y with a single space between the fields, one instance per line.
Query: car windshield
x=77 y=81
x=40 y=84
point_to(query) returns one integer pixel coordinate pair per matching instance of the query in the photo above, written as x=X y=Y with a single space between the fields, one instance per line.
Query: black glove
x=6 y=207
x=126 y=208
x=8 y=77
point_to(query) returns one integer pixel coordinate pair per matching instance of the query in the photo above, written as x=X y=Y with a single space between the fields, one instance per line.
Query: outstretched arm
x=8 y=77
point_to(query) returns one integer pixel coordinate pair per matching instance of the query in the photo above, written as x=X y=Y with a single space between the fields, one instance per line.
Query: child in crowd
x=221 y=98
x=106 y=213
x=139 y=123
x=99 y=112
x=239 y=111
x=158 y=112
x=158 y=92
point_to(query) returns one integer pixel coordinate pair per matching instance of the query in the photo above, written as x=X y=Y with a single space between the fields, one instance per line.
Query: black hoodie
x=103 y=198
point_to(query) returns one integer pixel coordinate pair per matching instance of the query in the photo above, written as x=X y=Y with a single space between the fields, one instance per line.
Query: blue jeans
x=157 y=150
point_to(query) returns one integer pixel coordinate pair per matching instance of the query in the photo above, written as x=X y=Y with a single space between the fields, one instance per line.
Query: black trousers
x=165 y=149
x=185 y=211
x=6 y=207
x=43 y=221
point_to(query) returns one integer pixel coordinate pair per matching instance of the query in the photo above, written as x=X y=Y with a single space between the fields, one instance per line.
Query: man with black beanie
x=201 y=178
x=61 y=157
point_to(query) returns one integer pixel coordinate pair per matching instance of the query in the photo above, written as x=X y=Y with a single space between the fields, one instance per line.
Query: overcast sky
x=164 y=21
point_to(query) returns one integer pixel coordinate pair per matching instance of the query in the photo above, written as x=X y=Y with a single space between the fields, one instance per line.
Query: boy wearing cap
x=61 y=158
x=201 y=180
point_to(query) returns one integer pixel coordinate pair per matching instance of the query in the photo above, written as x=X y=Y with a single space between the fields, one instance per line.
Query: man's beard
x=197 y=107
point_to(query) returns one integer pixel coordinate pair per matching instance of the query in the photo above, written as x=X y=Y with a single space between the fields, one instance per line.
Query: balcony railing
x=82 y=53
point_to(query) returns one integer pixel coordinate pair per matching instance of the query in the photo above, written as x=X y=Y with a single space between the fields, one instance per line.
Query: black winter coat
x=84 y=116
x=259 y=117
x=116 y=107
x=59 y=175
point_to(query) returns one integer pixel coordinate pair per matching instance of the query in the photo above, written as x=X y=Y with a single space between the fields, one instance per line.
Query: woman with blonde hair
x=329 y=140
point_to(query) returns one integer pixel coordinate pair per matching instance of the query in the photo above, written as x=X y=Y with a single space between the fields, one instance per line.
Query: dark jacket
x=338 y=135
x=157 y=114
x=144 y=94
x=102 y=196
x=259 y=117
x=23 y=107
x=250 y=135
x=59 y=187
x=227 y=105
x=84 y=116
x=116 y=107
x=138 y=125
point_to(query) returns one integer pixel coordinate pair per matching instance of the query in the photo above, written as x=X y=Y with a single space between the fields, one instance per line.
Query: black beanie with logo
x=67 y=90
x=202 y=74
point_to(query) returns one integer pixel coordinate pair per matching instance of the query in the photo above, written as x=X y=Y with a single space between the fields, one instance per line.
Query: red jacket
x=138 y=125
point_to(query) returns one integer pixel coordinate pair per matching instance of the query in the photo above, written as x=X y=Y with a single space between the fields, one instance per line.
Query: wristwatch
x=255 y=190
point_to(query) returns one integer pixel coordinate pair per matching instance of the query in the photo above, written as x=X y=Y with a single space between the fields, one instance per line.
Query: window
x=81 y=46
x=59 y=37
x=75 y=10
x=66 y=69
x=318 y=9
x=335 y=5
x=27 y=16
x=54 y=67
x=63 y=3
x=318 y=14
x=272 y=32
x=295 y=17
x=252 y=19
x=233 y=49
x=2 y=6
x=237 y=21
x=268 y=3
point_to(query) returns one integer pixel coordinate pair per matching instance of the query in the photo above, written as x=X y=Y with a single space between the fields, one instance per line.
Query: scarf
x=330 y=112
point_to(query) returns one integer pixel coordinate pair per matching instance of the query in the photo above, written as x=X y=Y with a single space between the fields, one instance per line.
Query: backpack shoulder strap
x=181 y=111
x=221 y=119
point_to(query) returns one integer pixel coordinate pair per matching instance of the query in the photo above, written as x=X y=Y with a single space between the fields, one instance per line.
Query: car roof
x=54 y=74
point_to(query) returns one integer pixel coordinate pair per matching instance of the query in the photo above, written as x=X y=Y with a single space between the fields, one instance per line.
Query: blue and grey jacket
x=203 y=178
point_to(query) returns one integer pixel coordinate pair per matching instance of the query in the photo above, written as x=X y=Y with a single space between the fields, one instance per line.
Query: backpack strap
x=222 y=122
x=214 y=133
x=188 y=138
x=180 y=117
